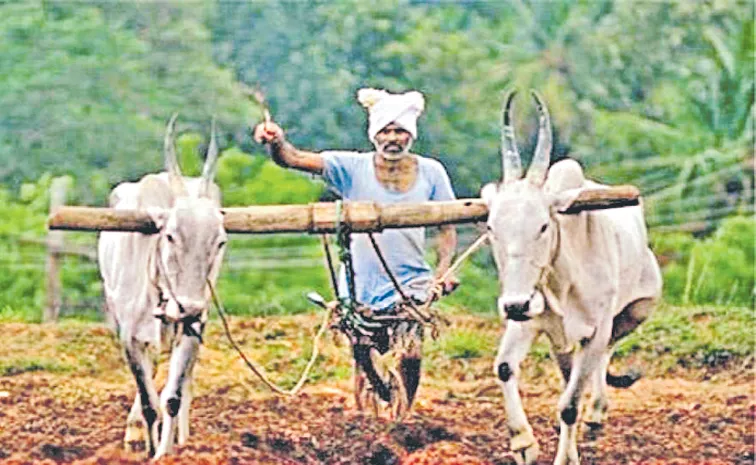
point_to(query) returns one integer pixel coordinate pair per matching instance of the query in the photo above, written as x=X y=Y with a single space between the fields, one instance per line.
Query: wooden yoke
x=318 y=218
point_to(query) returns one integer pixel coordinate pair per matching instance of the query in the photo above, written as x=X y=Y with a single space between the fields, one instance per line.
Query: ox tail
x=623 y=381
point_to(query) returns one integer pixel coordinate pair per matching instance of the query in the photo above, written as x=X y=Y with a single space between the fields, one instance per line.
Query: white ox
x=156 y=292
x=585 y=280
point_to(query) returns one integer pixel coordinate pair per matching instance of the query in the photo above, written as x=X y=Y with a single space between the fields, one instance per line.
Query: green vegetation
x=698 y=336
x=660 y=95
x=717 y=270
x=86 y=89
x=463 y=343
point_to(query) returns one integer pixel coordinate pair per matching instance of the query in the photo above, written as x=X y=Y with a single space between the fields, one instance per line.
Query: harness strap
x=437 y=289
x=386 y=267
x=329 y=262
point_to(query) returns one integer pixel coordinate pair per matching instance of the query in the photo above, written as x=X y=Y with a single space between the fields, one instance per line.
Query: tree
x=83 y=93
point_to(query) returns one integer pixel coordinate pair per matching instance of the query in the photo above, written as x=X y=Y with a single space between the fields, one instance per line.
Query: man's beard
x=393 y=152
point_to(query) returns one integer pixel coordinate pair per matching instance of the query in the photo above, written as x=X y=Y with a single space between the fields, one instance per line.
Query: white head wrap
x=385 y=108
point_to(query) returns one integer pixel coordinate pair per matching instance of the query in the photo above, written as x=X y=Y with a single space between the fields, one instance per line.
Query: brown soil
x=78 y=417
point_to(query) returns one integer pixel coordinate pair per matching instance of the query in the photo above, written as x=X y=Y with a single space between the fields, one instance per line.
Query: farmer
x=390 y=174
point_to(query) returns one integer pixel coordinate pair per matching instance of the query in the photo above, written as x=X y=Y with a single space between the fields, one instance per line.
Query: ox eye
x=222 y=243
x=170 y=238
x=544 y=227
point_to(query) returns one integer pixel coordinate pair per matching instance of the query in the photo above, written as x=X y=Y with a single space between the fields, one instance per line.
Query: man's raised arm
x=285 y=154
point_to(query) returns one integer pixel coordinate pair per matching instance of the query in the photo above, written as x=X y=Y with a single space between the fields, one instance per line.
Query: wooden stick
x=55 y=243
x=317 y=218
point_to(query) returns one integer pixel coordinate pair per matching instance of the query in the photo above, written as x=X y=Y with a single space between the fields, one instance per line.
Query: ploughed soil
x=66 y=392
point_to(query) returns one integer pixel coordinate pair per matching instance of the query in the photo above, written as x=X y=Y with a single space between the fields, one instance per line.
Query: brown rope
x=258 y=371
x=386 y=267
x=331 y=268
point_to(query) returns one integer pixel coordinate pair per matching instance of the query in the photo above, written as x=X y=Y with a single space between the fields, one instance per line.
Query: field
x=65 y=393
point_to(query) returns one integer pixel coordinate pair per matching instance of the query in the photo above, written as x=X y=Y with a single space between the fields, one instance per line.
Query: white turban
x=385 y=108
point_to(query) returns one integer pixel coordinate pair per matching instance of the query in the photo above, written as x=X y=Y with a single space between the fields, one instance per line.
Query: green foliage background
x=660 y=95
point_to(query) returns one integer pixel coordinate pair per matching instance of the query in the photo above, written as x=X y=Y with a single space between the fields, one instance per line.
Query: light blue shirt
x=352 y=175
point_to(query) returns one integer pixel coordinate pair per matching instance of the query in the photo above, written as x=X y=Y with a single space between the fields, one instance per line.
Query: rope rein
x=349 y=316
x=258 y=371
x=386 y=268
x=472 y=248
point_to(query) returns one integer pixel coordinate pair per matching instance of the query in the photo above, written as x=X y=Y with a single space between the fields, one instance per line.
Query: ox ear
x=159 y=216
x=488 y=193
x=560 y=202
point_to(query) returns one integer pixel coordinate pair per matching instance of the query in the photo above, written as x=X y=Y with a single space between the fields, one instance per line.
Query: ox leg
x=134 y=439
x=141 y=368
x=183 y=356
x=599 y=404
x=585 y=362
x=514 y=346
x=630 y=317
x=183 y=416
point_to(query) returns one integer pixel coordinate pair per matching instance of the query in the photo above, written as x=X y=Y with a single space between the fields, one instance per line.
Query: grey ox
x=585 y=280
x=156 y=289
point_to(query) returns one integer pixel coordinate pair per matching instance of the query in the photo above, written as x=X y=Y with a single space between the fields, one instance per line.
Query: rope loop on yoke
x=344 y=241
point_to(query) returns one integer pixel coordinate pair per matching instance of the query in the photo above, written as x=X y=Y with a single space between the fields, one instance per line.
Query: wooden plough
x=341 y=218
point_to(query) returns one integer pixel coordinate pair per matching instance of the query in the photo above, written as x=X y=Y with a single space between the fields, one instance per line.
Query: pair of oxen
x=585 y=280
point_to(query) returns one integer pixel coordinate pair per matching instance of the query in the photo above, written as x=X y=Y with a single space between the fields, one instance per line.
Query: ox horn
x=211 y=163
x=510 y=158
x=540 y=164
x=171 y=162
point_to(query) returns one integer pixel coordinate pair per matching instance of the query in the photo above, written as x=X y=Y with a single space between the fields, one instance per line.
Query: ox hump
x=564 y=175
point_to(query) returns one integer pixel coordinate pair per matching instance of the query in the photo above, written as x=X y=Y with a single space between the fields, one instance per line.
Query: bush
x=717 y=270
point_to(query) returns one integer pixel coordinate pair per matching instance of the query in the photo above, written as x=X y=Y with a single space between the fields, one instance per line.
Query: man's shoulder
x=430 y=164
x=347 y=153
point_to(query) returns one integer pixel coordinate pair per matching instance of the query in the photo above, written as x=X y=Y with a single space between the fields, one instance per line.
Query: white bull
x=156 y=292
x=585 y=280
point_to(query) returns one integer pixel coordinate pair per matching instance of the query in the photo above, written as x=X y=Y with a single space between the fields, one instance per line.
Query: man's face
x=393 y=141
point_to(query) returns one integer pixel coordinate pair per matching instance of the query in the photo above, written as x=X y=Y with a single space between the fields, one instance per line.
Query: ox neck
x=566 y=265
x=555 y=249
x=158 y=276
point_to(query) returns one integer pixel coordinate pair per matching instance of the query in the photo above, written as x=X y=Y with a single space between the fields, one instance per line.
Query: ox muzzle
x=176 y=310
x=521 y=307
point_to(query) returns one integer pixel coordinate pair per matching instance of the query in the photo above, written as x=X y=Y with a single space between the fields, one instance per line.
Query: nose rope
x=549 y=268
x=161 y=271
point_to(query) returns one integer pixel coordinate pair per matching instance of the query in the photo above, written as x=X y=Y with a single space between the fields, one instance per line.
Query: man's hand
x=447 y=243
x=447 y=286
x=283 y=153
x=268 y=133
x=450 y=285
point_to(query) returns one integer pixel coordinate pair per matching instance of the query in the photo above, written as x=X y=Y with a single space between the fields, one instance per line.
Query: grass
x=674 y=338
x=30 y=364
x=695 y=336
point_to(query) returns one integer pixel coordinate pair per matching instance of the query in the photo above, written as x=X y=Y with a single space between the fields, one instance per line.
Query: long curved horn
x=510 y=158
x=171 y=162
x=211 y=163
x=540 y=164
x=169 y=147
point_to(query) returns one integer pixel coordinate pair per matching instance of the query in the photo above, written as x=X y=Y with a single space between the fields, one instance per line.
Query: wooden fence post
x=53 y=297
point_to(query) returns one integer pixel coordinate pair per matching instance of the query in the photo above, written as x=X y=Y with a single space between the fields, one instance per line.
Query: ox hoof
x=135 y=439
x=594 y=425
x=596 y=414
x=525 y=448
x=527 y=456
x=573 y=459
x=159 y=454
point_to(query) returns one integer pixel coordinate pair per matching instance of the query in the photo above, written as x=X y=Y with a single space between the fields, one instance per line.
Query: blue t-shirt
x=352 y=174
